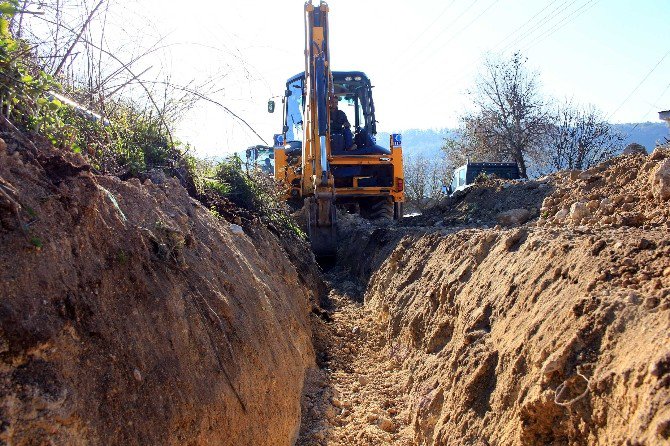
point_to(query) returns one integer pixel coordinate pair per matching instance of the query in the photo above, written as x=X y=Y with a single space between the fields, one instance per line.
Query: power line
x=576 y=13
x=468 y=25
x=429 y=26
x=653 y=105
x=638 y=85
x=526 y=22
x=446 y=28
x=555 y=13
x=457 y=32
x=545 y=19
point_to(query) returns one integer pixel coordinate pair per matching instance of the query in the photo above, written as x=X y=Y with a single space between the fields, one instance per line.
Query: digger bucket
x=322 y=227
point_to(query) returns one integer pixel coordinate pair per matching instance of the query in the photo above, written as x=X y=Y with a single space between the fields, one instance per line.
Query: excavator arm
x=317 y=180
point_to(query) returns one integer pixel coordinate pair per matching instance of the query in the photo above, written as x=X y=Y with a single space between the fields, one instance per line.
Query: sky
x=422 y=57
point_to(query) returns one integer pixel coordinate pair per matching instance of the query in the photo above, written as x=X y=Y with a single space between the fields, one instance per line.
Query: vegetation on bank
x=118 y=136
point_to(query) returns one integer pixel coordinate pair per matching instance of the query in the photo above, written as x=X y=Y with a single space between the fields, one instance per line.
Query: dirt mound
x=482 y=204
x=531 y=337
x=627 y=191
x=624 y=191
x=130 y=315
x=540 y=334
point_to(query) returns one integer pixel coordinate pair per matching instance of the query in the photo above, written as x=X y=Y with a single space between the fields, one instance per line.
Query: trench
x=446 y=329
x=484 y=336
x=357 y=393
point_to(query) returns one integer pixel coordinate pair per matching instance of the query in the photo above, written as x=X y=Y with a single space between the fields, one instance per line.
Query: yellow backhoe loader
x=329 y=155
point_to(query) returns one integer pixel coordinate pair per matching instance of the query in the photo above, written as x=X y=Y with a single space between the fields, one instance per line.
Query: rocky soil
x=129 y=315
x=353 y=397
x=628 y=191
x=477 y=328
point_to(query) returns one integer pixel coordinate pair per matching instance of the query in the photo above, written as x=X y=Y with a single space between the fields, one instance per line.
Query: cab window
x=461 y=177
x=294 y=111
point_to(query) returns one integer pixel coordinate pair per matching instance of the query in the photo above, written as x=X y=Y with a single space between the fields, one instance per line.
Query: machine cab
x=260 y=158
x=354 y=96
x=468 y=173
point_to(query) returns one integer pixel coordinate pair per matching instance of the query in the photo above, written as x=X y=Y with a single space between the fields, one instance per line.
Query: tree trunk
x=522 y=167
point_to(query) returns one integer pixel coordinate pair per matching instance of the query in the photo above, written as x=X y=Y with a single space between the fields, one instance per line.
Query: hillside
x=427 y=142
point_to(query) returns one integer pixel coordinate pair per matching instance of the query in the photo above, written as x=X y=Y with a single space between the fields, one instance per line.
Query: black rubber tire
x=398 y=210
x=381 y=210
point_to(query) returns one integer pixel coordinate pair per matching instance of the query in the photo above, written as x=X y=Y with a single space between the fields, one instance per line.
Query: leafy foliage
x=253 y=191
x=23 y=87
x=123 y=137
x=129 y=141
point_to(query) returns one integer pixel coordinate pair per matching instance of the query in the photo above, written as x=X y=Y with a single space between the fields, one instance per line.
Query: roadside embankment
x=130 y=315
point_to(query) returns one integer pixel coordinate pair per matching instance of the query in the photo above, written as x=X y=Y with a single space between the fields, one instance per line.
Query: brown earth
x=543 y=333
x=492 y=324
x=480 y=204
x=627 y=191
x=130 y=315
x=353 y=397
x=516 y=313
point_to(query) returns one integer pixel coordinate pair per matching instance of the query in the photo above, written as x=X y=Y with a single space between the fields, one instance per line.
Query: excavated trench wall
x=130 y=315
x=529 y=337
x=553 y=332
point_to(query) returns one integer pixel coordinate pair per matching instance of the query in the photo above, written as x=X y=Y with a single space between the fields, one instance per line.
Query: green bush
x=255 y=192
x=129 y=141
x=23 y=87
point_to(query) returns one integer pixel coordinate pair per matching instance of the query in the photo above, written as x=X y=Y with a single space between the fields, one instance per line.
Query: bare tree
x=103 y=63
x=474 y=142
x=510 y=120
x=580 y=138
x=424 y=178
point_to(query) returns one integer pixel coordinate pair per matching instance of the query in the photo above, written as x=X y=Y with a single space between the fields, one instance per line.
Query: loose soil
x=354 y=397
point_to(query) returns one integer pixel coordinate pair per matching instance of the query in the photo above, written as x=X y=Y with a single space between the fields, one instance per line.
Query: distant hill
x=427 y=142
x=649 y=134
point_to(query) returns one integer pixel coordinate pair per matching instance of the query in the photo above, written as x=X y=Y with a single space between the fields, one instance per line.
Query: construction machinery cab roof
x=466 y=174
x=351 y=86
x=356 y=76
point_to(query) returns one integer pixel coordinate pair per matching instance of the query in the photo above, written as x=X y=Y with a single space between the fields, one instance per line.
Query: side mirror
x=271 y=106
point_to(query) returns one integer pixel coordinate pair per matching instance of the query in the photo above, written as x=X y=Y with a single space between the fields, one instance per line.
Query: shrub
x=255 y=192
x=23 y=87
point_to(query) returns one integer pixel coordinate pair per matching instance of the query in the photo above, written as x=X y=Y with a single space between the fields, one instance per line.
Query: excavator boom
x=317 y=180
